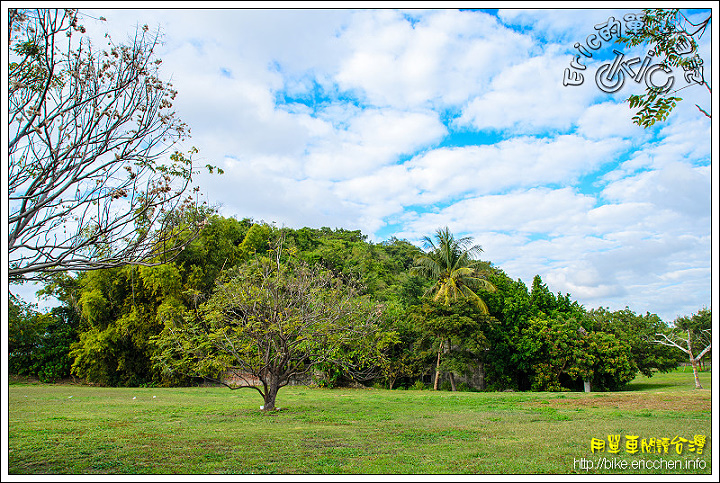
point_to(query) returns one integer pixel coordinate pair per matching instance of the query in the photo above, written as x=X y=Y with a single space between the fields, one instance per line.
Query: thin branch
x=703 y=111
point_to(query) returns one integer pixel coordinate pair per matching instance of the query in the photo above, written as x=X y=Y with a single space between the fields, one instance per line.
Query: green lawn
x=61 y=429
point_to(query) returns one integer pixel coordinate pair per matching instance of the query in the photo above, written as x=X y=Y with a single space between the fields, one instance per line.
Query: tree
x=451 y=263
x=39 y=343
x=93 y=173
x=268 y=322
x=639 y=332
x=673 y=39
x=255 y=241
x=457 y=330
x=122 y=308
x=689 y=334
x=560 y=354
x=403 y=359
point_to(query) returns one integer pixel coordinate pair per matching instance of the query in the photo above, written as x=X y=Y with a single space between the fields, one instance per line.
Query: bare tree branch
x=93 y=170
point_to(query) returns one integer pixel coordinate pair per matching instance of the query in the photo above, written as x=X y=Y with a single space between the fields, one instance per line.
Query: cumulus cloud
x=397 y=122
x=608 y=120
x=440 y=58
x=681 y=188
x=371 y=139
x=529 y=97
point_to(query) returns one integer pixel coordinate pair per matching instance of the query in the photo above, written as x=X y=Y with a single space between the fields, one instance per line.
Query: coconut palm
x=452 y=263
x=454 y=266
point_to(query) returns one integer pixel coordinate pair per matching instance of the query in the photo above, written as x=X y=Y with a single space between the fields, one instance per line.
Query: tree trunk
x=452 y=381
x=481 y=375
x=270 y=394
x=437 y=368
x=693 y=360
x=694 y=363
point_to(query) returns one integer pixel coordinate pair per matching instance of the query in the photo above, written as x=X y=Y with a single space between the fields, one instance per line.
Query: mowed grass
x=73 y=429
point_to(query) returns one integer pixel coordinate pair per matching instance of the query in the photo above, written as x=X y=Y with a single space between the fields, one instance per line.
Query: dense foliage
x=39 y=343
x=118 y=326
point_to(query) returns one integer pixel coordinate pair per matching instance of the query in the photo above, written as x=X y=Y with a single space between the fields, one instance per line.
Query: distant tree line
x=194 y=318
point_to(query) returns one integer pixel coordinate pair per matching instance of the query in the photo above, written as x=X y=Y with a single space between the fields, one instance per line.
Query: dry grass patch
x=685 y=402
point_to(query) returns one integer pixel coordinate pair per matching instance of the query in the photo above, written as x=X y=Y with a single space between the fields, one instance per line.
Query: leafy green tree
x=256 y=240
x=39 y=343
x=404 y=358
x=673 y=38
x=123 y=308
x=120 y=309
x=216 y=248
x=604 y=360
x=513 y=306
x=267 y=323
x=693 y=336
x=380 y=269
x=455 y=332
x=559 y=354
x=510 y=305
x=542 y=300
x=639 y=332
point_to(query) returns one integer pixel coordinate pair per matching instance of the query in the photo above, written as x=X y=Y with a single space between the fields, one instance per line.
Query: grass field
x=74 y=429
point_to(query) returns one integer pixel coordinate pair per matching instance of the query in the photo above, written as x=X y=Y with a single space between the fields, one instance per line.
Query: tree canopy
x=248 y=304
x=96 y=179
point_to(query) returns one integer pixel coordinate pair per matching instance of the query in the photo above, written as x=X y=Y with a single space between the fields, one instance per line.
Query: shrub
x=418 y=386
x=463 y=387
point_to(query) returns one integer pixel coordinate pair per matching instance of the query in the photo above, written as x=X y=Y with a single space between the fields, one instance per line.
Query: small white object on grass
x=134 y=397
x=154 y=397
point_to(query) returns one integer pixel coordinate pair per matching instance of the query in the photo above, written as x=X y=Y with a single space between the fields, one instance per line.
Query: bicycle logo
x=610 y=77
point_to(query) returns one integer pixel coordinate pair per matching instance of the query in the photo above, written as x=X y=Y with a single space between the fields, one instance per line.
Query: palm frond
x=454 y=264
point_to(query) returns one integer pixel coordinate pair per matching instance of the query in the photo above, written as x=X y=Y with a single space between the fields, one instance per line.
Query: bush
x=463 y=387
x=418 y=386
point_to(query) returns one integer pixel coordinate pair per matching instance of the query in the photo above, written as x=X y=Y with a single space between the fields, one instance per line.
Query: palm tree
x=452 y=263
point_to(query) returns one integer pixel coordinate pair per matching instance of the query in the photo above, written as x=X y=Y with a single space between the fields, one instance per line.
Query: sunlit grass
x=72 y=429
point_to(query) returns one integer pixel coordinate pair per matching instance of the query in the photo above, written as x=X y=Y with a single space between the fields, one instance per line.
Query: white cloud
x=558 y=182
x=610 y=119
x=566 y=25
x=678 y=187
x=537 y=210
x=530 y=97
x=520 y=161
x=446 y=57
x=372 y=138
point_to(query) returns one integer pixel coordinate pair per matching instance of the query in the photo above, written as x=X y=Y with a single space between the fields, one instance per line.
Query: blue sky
x=398 y=122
